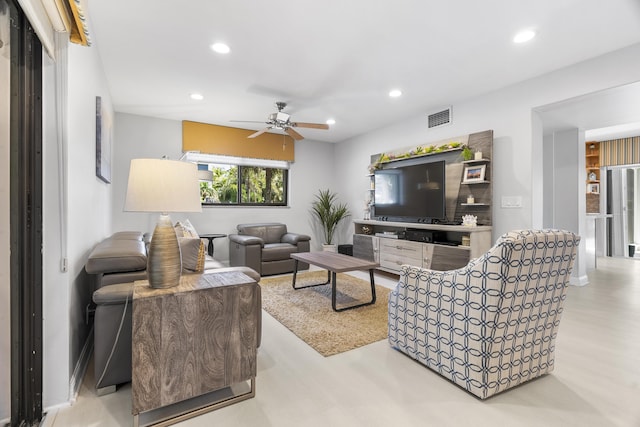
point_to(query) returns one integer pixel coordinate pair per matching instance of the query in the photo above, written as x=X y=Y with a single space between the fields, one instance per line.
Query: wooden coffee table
x=335 y=263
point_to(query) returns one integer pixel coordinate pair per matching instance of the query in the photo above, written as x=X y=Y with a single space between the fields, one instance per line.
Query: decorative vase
x=329 y=248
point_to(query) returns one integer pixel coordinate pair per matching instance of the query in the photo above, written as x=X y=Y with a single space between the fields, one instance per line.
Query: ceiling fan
x=282 y=120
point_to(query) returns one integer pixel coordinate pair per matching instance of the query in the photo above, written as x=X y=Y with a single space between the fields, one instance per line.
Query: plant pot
x=329 y=248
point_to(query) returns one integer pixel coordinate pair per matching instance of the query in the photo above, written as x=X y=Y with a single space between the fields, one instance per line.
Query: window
x=243 y=185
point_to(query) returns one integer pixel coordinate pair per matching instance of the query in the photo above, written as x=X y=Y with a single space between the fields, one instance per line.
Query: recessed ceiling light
x=395 y=93
x=331 y=122
x=220 y=48
x=196 y=96
x=524 y=36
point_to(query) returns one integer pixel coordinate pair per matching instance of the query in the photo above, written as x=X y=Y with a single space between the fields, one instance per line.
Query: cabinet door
x=365 y=247
x=448 y=258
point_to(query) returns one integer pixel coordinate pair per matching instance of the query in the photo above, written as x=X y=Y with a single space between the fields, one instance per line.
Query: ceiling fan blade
x=293 y=134
x=260 y=132
x=310 y=125
x=247 y=121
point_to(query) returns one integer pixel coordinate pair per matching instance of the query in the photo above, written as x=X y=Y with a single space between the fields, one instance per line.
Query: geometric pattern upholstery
x=492 y=324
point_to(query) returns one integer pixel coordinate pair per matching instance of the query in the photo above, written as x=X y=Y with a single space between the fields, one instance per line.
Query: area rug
x=308 y=313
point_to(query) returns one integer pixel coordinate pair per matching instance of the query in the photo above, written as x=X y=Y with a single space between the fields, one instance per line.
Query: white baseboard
x=579 y=281
x=80 y=369
x=74 y=385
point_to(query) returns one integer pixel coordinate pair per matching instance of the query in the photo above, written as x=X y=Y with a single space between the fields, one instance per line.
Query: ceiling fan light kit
x=282 y=120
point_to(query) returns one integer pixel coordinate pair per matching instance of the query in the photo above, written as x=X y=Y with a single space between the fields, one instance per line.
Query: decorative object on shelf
x=469 y=220
x=420 y=151
x=593 y=188
x=470 y=199
x=467 y=153
x=478 y=155
x=366 y=230
x=592 y=176
x=159 y=185
x=474 y=173
x=328 y=213
x=466 y=241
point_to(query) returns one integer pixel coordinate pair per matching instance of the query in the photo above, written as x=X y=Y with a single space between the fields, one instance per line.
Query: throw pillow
x=192 y=250
x=186 y=229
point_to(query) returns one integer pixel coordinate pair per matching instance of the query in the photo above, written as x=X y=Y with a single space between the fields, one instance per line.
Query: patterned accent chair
x=491 y=325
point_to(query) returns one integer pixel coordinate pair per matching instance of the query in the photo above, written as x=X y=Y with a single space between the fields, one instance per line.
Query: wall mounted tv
x=412 y=193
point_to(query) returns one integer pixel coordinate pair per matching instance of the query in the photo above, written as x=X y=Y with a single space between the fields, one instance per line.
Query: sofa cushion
x=114 y=294
x=277 y=251
x=127 y=235
x=116 y=255
x=211 y=263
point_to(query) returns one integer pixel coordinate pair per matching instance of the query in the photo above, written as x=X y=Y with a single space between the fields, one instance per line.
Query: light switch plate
x=511 y=201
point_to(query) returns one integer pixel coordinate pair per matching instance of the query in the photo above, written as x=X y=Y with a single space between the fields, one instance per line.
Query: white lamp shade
x=158 y=185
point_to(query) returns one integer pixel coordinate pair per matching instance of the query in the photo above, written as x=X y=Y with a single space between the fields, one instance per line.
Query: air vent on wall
x=440 y=118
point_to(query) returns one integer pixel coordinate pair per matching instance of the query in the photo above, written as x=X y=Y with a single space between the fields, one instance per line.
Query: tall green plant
x=329 y=213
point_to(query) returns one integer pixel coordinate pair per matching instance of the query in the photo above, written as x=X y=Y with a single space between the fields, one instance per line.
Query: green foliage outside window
x=258 y=186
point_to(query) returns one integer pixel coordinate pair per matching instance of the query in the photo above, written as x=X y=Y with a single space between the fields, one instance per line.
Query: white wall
x=139 y=137
x=569 y=179
x=5 y=312
x=88 y=218
x=518 y=148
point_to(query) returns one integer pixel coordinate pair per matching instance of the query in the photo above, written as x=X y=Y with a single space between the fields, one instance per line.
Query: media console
x=434 y=246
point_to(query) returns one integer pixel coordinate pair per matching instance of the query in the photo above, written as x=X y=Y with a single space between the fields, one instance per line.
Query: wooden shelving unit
x=592 y=162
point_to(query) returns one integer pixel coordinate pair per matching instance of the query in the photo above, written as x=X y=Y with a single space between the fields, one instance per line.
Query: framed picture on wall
x=474 y=173
x=103 y=141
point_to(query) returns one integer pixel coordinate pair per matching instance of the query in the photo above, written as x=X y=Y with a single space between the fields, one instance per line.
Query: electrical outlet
x=511 y=201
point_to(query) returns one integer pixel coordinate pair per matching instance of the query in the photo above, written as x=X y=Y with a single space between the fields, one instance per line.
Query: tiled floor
x=596 y=381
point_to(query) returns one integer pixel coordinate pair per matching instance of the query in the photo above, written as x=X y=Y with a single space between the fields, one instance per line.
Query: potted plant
x=329 y=213
x=467 y=153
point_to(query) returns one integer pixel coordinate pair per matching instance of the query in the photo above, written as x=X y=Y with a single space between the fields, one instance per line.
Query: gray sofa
x=266 y=248
x=116 y=263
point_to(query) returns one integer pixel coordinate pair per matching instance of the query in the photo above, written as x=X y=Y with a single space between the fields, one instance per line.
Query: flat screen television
x=411 y=193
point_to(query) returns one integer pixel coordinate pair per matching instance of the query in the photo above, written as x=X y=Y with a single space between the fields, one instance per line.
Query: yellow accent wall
x=228 y=141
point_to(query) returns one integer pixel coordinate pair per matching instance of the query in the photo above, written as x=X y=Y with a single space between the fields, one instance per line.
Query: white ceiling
x=338 y=58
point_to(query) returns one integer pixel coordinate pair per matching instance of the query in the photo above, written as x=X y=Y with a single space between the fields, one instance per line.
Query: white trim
x=80 y=369
x=39 y=20
x=579 y=281
x=197 y=157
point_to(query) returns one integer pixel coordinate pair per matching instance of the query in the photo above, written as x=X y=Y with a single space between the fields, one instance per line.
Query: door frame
x=26 y=225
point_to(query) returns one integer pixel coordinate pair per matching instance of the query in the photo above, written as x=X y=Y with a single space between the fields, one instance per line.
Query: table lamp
x=158 y=185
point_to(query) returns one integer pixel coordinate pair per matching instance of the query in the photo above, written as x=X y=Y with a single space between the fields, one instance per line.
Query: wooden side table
x=191 y=344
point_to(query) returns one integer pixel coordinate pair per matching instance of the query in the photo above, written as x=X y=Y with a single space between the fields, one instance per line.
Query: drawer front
x=401 y=246
x=394 y=253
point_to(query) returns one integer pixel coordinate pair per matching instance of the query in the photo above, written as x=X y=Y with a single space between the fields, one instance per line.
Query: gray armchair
x=266 y=248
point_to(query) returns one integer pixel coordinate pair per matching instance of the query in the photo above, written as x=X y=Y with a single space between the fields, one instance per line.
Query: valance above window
x=228 y=141
x=618 y=152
